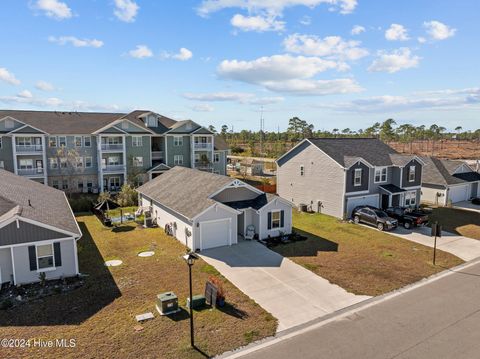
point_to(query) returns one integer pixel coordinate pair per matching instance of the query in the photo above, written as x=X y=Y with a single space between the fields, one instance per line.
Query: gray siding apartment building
x=95 y=152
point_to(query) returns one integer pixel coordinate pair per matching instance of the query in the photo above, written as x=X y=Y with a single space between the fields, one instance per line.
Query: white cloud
x=421 y=39
x=25 y=94
x=396 y=32
x=331 y=46
x=75 y=41
x=314 y=87
x=306 y=20
x=399 y=59
x=141 y=52
x=24 y=98
x=257 y=23
x=44 y=86
x=438 y=30
x=54 y=9
x=202 y=107
x=357 y=30
x=8 y=77
x=240 y=97
x=182 y=55
x=126 y=10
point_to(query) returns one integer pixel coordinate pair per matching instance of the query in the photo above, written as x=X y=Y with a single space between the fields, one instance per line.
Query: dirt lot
x=445 y=148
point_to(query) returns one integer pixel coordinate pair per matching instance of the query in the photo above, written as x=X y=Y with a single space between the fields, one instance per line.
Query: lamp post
x=190 y=260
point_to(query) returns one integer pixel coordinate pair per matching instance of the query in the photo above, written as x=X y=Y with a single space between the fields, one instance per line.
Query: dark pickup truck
x=407 y=217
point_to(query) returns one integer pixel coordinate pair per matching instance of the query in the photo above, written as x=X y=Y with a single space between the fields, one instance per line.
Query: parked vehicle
x=407 y=217
x=374 y=217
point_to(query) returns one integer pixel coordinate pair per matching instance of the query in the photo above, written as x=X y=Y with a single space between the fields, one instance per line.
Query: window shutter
x=58 y=254
x=32 y=255
x=282 y=218
x=269 y=220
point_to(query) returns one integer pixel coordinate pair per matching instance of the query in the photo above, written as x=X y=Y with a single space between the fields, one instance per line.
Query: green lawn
x=360 y=259
x=458 y=221
x=100 y=315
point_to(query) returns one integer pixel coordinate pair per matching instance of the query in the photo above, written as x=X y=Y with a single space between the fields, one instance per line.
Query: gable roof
x=220 y=143
x=35 y=201
x=442 y=172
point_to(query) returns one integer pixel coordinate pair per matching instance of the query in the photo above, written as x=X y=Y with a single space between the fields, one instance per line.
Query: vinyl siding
x=366 y=175
x=213 y=213
x=179 y=150
x=429 y=195
x=221 y=166
x=6 y=153
x=6 y=265
x=143 y=151
x=26 y=233
x=235 y=194
x=418 y=174
x=324 y=180
x=275 y=205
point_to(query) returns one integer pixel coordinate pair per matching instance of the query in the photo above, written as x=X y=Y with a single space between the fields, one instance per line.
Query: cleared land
x=100 y=315
x=361 y=260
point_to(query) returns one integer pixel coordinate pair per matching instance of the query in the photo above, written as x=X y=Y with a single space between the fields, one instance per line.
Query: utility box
x=167 y=303
x=198 y=301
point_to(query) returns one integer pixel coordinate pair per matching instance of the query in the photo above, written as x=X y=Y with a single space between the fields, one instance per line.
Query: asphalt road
x=438 y=320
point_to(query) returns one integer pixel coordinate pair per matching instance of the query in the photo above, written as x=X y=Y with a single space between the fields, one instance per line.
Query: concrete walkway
x=467 y=206
x=463 y=247
x=291 y=293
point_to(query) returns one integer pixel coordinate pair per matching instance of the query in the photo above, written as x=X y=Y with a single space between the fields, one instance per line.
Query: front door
x=385 y=200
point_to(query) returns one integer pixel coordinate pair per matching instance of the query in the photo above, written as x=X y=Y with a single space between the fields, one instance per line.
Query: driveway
x=468 y=206
x=291 y=293
x=462 y=247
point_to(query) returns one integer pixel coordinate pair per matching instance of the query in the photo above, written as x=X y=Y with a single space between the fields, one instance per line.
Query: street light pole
x=192 y=340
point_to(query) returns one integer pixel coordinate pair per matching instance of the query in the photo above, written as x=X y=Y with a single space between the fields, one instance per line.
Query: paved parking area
x=291 y=293
x=468 y=206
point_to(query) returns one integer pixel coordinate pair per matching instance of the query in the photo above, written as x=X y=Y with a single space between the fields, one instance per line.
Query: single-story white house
x=448 y=181
x=38 y=232
x=207 y=210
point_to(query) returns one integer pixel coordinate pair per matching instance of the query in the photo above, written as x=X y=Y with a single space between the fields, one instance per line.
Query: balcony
x=157 y=155
x=112 y=147
x=202 y=146
x=113 y=169
x=203 y=167
x=30 y=172
x=29 y=148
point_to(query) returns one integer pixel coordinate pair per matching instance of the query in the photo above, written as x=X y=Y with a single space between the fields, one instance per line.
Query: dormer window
x=9 y=124
x=380 y=174
x=411 y=174
x=357 y=177
x=188 y=126
x=151 y=121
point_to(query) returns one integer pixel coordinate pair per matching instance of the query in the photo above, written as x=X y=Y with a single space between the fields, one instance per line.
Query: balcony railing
x=112 y=147
x=30 y=171
x=28 y=148
x=202 y=146
x=113 y=168
x=203 y=167
x=157 y=155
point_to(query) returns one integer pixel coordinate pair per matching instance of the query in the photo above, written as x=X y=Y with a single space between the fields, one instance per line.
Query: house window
x=9 y=124
x=411 y=174
x=2 y=164
x=53 y=163
x=62 y=141
x=302 y=170
x=45 y=258
x=65 y=184
x=88 y=162
x=78 y=141
x=380 y=175
x=137 y=161
x=178 y=141
x=357 y=177
x=152 y=121
x=178 y=160
x=55 y=184
x=411 y=198
x=137 y=141
x=63 y=162
x=216 y=157
x=52 y=142
x=87 y=141
x=79 y=162
x=26 y=164
x=276 y=219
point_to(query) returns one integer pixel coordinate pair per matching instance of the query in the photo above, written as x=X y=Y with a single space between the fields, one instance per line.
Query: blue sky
x=333 y=63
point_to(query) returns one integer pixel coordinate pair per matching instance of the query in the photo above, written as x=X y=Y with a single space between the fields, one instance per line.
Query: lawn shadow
x=123 y=228
x=307 y=248
x=453 y=219
x=74 y=307
x=182 y=314
x=233 y=311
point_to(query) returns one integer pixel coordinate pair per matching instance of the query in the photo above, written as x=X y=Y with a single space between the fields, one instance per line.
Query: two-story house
x=95 y=152
x=334 y=175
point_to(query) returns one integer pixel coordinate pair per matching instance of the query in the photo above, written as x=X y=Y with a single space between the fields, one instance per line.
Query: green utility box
x=198 y=301
x=167 y=303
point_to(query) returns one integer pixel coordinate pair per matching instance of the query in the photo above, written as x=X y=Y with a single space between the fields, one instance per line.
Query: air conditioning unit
x=167 y=303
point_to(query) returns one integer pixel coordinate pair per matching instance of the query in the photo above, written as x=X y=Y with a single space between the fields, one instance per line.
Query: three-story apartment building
x=95 y=152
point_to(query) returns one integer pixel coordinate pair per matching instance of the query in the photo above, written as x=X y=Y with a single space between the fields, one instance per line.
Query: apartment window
x=88 y=162
x=411 y=198
x=78 y=141
x=24 y=141
x=26 y=164
x=9 y=124
x=64 y=184
x=216 y=157
x=45 y=257
x=137 y=161
x=276 y=218
x=380 y=174
x=52 y=142
x=152 y=121
x=62 y=141
x=80 y=186
x=302 y=170
x=55 y=184
x=178 y=141
x=89 y=185
x=197 y=157
x=114 y=182
x=79 y=162
x=114 y=161
x=2 y=164
x=63 y=162
x=53 y=163
x=178 y=160
x=411 y=174
x=357 y=177
x=87 y=141
x=137 y=141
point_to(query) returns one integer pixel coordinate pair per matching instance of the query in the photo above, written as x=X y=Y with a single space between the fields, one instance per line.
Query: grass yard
x=458 y=221
x=100 y=315
x=361 y=260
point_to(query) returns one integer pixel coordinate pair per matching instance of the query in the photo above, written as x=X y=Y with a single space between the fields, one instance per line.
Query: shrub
x=6 y=303
x=237 y=149
x=103 y=196
x=127 y=196
x=81 y=204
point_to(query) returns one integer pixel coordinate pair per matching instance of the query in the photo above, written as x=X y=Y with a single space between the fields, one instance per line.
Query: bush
x=6 y=303
x=237 y=149
x=103 y=196
x=81 y=204
x=128 y=196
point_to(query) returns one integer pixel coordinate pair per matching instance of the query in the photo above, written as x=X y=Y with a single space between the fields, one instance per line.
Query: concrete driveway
x=291 y=293
x=467 y=206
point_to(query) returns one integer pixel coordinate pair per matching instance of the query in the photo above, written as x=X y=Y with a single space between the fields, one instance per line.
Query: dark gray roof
x=164 y=123
x=185 y=190
x=255 y=203
x=347 y=151
x=47 y=205
x=442 y=172
x=392 y=188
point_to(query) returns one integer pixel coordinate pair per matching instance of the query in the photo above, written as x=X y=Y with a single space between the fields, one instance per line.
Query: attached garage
x=369 y=200
x=459 y=193
x=215 y=233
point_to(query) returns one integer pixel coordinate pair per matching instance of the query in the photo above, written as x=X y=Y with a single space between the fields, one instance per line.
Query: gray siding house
x=95 y=152
x=38 y=232
x=334 y=175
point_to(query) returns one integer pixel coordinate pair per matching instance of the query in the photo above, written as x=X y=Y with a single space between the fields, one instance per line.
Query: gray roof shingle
x=442 y=172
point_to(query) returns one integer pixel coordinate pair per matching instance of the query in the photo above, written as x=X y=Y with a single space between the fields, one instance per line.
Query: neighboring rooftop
x=35 y=201
x=442 y=172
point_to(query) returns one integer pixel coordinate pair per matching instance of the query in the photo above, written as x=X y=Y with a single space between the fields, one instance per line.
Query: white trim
x=46 y=241
x=73 y=215
x=116 y=122
x=221 y=205
x=368 y=195
x=75 y=257
x=412 y=188
x=198 y=129
x=48 y=269
x=236 y=184
x=27 y=125
x=349 y=194
x=381 y=168
x=355 y=171
x=39 y=224
x=344 y=193
x=362 y=160
x=13 y=266
x=213 y=221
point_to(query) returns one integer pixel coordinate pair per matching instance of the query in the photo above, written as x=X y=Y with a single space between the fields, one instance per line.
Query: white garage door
x=353 y=202
x=459 y=193
x=215 y=233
